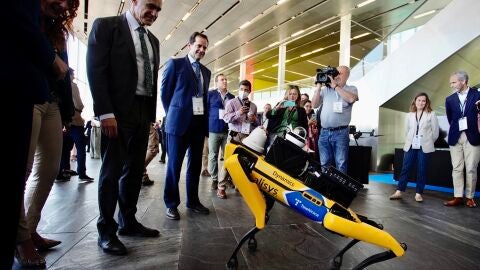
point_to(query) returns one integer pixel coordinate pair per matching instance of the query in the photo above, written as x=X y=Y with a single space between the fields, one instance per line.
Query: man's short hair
x=461 y=75
x=221 y=74
x=246 y=83
x=195 y=35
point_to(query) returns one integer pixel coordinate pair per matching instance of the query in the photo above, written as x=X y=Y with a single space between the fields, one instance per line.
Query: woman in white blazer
x=421 y=133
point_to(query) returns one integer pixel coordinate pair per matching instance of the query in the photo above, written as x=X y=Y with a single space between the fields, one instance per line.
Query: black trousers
x=123 y=161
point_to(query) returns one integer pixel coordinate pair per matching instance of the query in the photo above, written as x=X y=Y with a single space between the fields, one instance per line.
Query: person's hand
x=60 y=68
x=279 y=105
x=109 y=127
x=252 y=117
x=244 y=109
x=478 y=104
x=312 y=122
x=333 y=82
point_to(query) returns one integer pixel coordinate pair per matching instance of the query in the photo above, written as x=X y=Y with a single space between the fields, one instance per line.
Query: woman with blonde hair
x=421 y=132
x=287 y=114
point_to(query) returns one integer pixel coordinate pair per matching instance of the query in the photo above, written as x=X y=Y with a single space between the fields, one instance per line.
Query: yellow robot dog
x=286 y=174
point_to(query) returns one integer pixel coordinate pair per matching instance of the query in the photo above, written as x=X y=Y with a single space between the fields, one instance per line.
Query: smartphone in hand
x=289 y=103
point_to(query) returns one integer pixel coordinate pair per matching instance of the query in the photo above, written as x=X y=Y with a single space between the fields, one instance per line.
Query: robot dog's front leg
x=238 y=168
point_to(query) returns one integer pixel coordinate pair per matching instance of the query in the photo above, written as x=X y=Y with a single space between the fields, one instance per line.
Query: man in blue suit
x=463 y=138
x=184 y=92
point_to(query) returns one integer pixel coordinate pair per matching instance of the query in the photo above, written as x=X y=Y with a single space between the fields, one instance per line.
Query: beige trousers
x=464 y=155
x=42 y=165
x=205 y=155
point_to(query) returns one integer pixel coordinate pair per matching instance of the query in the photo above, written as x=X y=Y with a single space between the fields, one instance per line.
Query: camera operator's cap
x=297 y=136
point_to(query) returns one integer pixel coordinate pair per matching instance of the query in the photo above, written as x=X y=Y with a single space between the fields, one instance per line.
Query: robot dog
x=286 y=174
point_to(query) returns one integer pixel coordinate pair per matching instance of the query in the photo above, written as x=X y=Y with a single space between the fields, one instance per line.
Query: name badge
x=221 y=113
x=245 y=128
x=338 y=107
x=417 y=142
x=197 y=103
x=462 y=124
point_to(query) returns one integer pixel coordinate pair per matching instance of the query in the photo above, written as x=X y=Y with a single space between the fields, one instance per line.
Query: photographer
x=337 y=99
x=287 y=114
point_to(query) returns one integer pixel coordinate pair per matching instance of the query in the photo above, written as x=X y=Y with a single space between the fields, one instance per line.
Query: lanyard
x=418 y=120
x=462 y=107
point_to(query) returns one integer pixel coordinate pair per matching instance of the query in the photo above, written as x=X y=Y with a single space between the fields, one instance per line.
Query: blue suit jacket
x=215 y=103
x=452 y=105
x=177 y=89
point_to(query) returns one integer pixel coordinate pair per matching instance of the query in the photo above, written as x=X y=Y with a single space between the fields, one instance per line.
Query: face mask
x=243 y=94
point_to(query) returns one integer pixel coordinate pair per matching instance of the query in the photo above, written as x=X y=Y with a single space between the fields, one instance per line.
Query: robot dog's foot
x=252 y=246
x=380 y=257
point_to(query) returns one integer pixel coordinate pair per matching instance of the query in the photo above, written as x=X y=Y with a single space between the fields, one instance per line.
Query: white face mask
x=243 y=94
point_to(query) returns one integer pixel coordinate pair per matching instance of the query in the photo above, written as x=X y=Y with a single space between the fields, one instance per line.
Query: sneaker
x=206 y=173
x=418 y=197
x=62 y=177
x=221 y=194
x=396 y=196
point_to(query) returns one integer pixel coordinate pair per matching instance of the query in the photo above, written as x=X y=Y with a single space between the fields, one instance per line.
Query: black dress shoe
x=112 y=245
x=199 y=208
x=139 y=230
x=172 y=213
x=70 y=172
x=85 y=177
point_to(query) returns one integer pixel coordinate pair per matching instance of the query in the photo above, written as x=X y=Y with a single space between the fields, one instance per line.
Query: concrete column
x=345 y=36
x=282 y=55
x=243 y=71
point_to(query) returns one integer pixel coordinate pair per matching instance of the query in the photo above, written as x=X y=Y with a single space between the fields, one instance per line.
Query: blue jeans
x=333 y=148
x=409 y=158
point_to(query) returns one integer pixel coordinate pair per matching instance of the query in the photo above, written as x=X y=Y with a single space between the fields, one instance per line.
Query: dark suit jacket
x=112 y=67
x=177 y=89
x=452 y=105
x=214 y=104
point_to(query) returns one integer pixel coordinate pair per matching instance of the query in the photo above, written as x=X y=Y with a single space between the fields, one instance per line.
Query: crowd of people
x=123 y=84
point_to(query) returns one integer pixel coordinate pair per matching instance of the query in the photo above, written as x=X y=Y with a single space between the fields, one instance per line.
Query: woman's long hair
x=413 y=107
x=57 y=29
x=294 y=87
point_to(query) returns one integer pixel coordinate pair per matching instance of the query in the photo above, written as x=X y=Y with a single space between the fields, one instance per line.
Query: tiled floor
x=437 y=237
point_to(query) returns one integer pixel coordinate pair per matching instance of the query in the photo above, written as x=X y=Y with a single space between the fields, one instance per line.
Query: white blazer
x=428 y=130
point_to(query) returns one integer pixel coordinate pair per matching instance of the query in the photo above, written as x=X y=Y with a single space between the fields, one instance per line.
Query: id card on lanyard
x=417 y=139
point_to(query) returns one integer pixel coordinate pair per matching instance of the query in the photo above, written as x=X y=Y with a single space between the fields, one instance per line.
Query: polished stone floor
x=437 y=237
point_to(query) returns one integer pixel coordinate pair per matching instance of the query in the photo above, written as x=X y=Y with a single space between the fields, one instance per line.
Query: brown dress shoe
x=471 y=203
x=27 y=256
x=42 y=243
x=221 y=194
x=456 y=201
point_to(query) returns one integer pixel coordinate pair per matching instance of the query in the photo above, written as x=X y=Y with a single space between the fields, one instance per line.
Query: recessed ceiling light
x=361 y=35
x=168 y=36
x=274 y=44
x=185 y=17
x=315 y=63
x=260 y=70
x=365 y=3
x=218 y=42
x=281 y=2
x=245 y=24
x=424 y=14
x=297 y=33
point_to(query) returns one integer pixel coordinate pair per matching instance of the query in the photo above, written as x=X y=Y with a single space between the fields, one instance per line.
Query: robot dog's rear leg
x=337 y=260
x=233 y=261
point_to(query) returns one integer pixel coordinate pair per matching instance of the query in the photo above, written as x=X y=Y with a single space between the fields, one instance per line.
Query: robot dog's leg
x=233 y=261
x=337 y=260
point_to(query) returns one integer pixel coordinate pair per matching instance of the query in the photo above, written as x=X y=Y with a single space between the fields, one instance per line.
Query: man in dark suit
x=184 y=96
x=463 y=138
x=23 y=72
x=122 y=69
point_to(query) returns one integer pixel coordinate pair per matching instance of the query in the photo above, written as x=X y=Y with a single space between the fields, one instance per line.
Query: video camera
x=322 y=75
